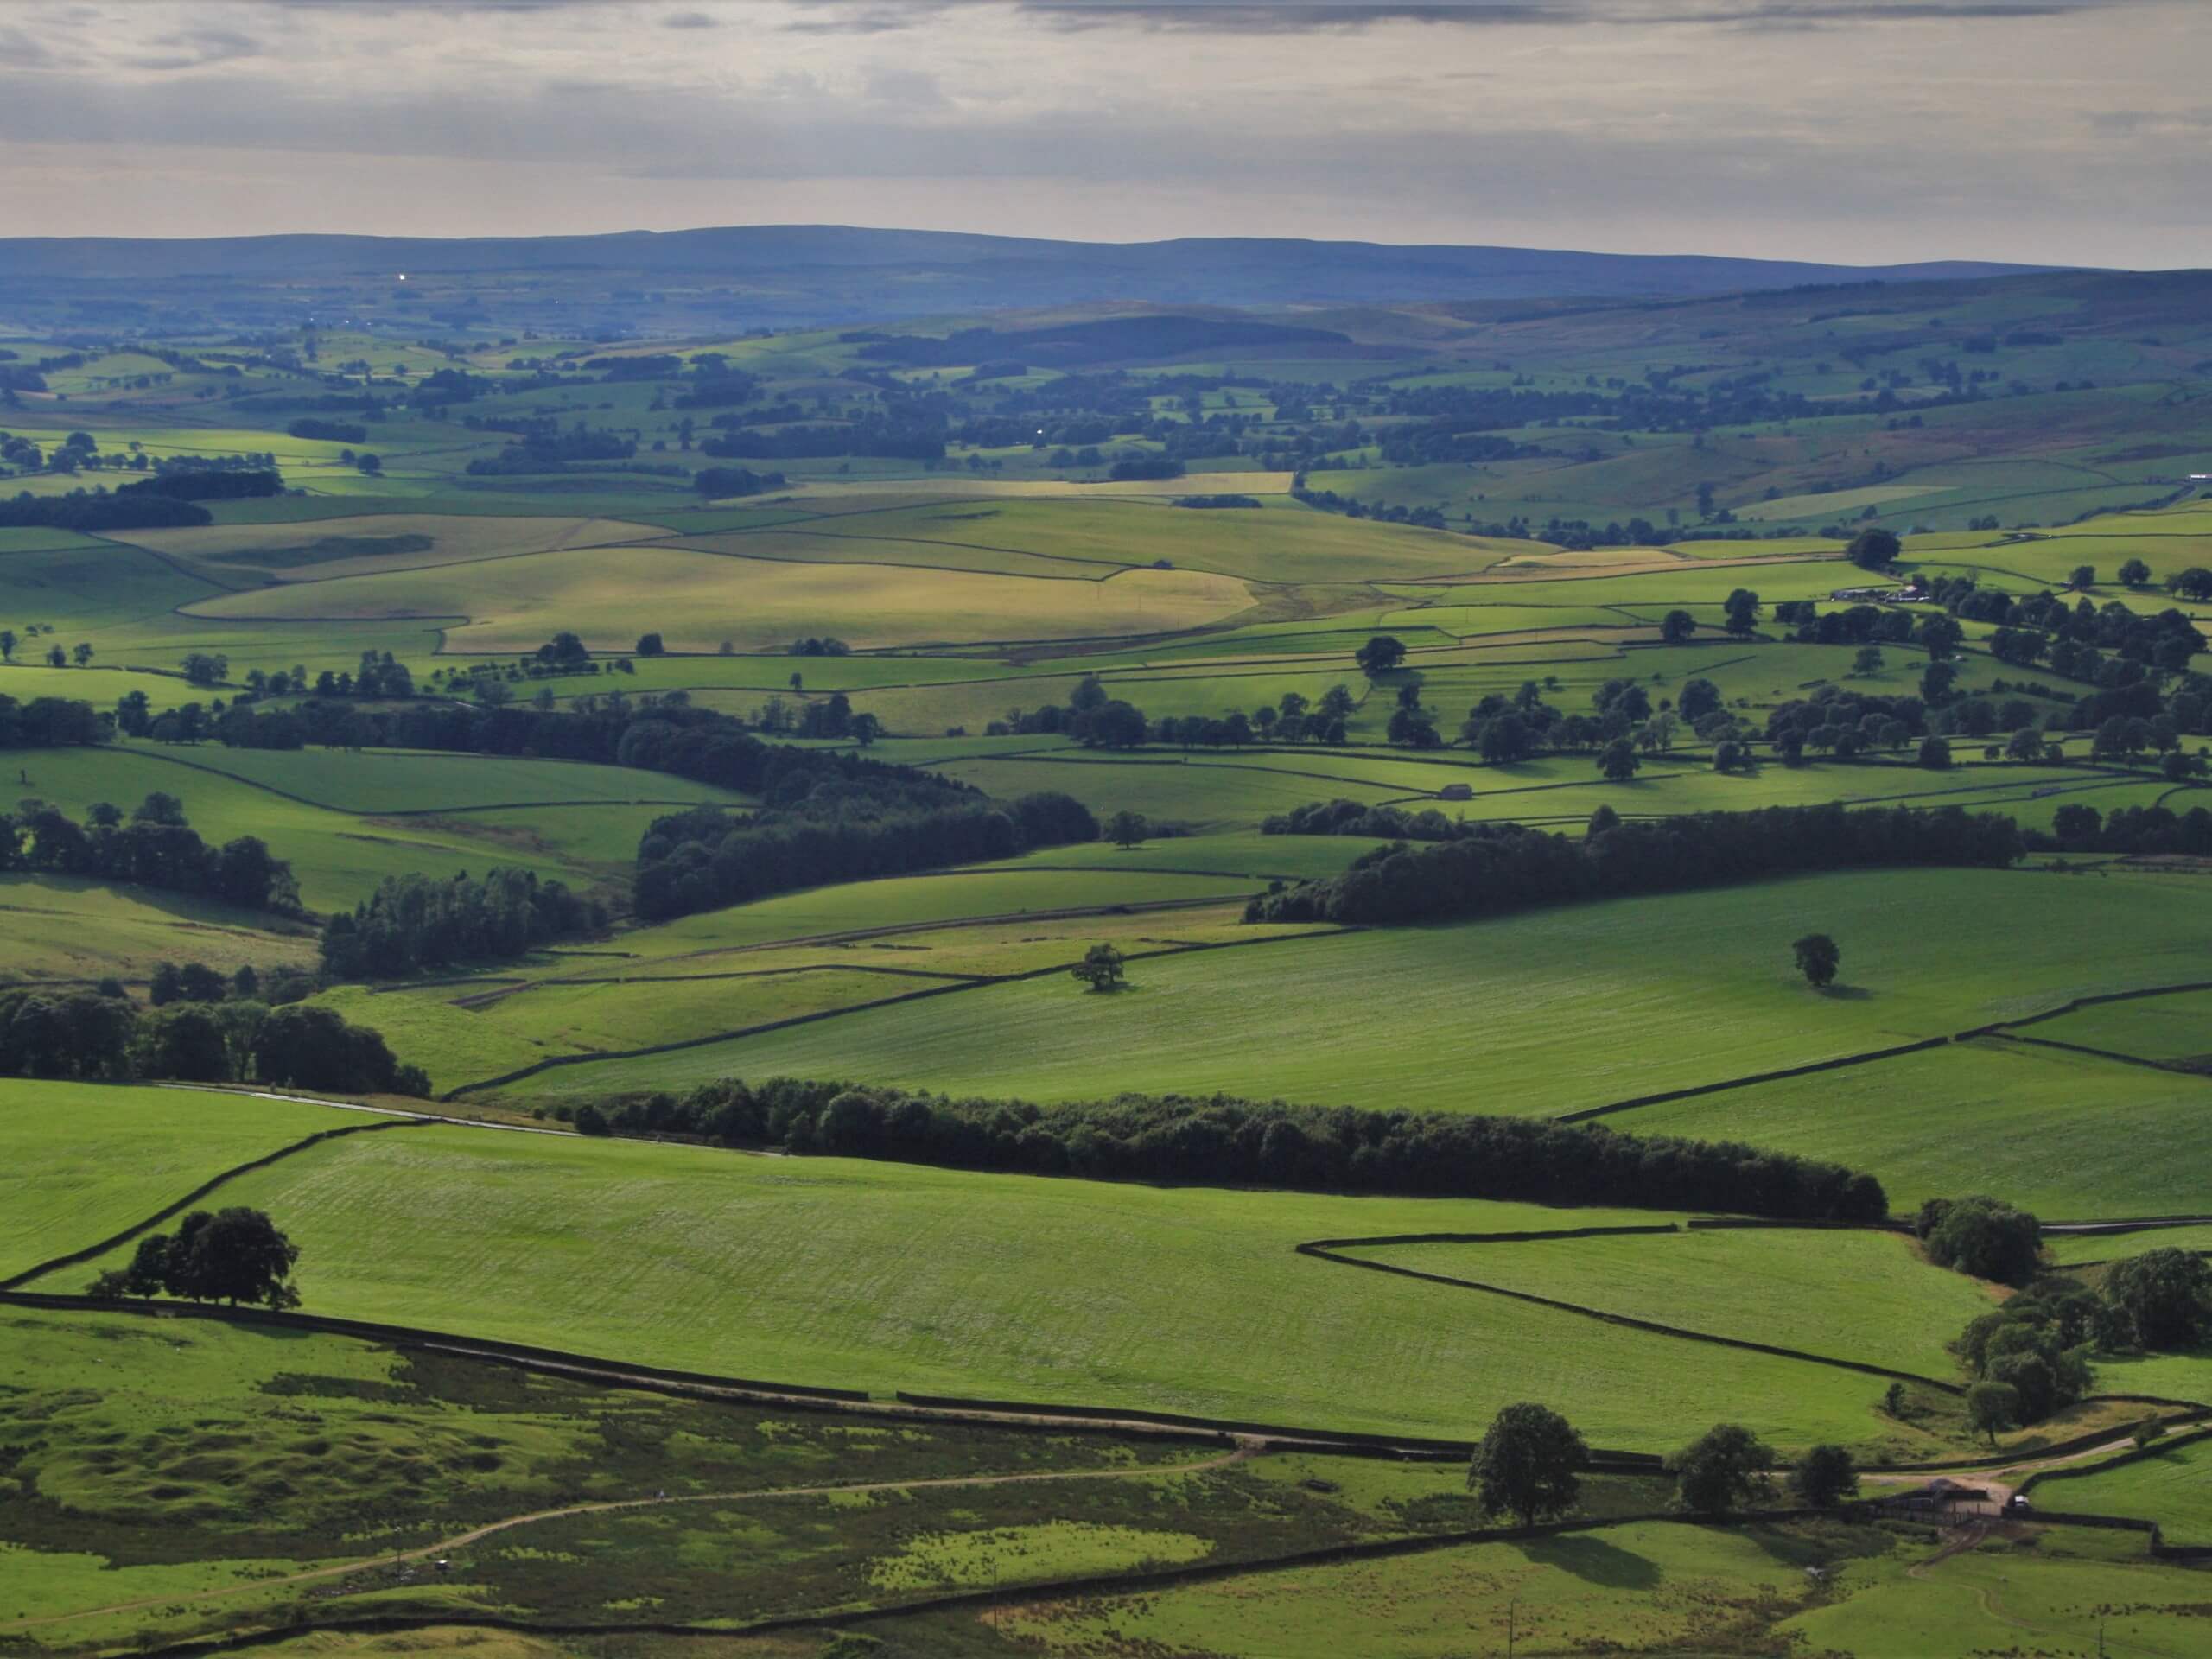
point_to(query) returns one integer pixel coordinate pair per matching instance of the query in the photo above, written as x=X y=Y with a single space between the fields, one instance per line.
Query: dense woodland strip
x=1224 y=1141
x=106 y=1037
x=416 y=922
x=155 y=846
x=1497 y=869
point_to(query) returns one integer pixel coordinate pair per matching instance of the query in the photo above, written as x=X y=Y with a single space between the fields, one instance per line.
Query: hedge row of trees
x=416 y=922
x=2130 y=829
x=1500 y=868
x=88 y=1036
x=50 y=723
x=97 y=509
x=840 y=828
x=155 y=846
x=1225 y=1141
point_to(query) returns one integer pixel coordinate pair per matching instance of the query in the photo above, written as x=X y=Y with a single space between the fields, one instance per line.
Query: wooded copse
x=155 y=846
x=1222 y=1140
x=1503 y=867
x=416 y=922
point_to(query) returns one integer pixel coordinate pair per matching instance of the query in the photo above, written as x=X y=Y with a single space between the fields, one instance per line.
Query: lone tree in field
x=1127 y=828
x=231 y=1255
x=1818 y=957
x=1723 y=1469
x=1874 y=548
x=1824 y=1476
x=1993 y=1407
x=1676 y=626
x=650 y=644
x=1100 y=969
x=1618 y=760
x=2133 y=573
x=1529 y=1465
x=1379 y=655
x=1868 y=661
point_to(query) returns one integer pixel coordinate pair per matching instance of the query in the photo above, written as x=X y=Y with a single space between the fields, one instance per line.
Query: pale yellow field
x=452 y=538
x=698 y=599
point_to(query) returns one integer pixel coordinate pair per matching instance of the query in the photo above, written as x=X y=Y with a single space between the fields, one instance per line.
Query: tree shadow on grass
x=1845 y=993
x=1594 y=1562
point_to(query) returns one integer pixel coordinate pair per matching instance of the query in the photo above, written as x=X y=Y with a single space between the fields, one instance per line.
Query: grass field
x=2172 y=1487
x=2062 y=1133
x=2170 y=1028
x=79 y=1161
x=1863 y=1296
x=1687 y=989
x=697 y=599
x=887 y=1276
x=61 y=927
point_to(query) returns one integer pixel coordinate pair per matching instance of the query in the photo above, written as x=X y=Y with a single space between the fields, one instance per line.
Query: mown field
x=79 y=1162
x=887 y=1276
x=1506 y=1016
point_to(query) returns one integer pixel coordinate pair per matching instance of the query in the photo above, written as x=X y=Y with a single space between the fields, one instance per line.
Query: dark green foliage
x=1824 y=1476
x=1529 y=1465
x=1982 y=1236
x=48 y=723
x=1818 y=957
x=1725 y=1469
x=416 y=922
x=2038 y=1344
x=1222 y=1140
x=2166 y=1296
x=305 y=1046
x=155 y=848
x=100 y=510
x=1993 y=1407
x=231 y=1255
x=1380 y=655
x=720 y=483
x=1100 y=969
x=1500 y=868
x=1873 y=548
x=205 y=483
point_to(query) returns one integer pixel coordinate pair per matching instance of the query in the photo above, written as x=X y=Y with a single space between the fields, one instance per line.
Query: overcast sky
x=2075 y=131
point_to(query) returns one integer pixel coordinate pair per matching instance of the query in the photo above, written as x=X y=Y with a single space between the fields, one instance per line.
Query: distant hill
x=786 y=273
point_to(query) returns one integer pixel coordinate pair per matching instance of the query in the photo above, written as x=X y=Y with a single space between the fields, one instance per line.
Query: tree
x=232 y=1256
x=1676 y=626
x=56 y=657
x=1934 y=754
x=1699 y=698
x=1379 y=655
x=1723 y=1469
x=1618 y=760
x=1127 y=828
x=2081 y=576
x=2195 y=582
x=1868 y=661
x=1981 y=1236
x=1742 y=610
x=7 y=645
x=2166 y=1295
x=1993 y=1407
x=2133 y=573
x=649 y=645
x=83 y=653
x=1100 y=969
x=1818 y=957
x=1529 y=1465
x=1824 y=1476
x=1874 y=548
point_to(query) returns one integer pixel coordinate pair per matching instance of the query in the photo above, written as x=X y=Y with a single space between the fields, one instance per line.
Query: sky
x=2062 y=131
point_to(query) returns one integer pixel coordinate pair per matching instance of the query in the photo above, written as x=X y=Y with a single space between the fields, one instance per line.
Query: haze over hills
x=789 y=275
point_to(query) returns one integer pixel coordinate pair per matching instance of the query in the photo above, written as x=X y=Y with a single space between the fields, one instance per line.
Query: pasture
x=887 y=1276
x=1505 y=1016
x=68 y=929
x=79 y=1161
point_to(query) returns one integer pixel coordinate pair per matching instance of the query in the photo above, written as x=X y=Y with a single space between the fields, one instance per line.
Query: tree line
x=92 y=1037
x=155 y=846
x=834 y=827
x=1220 y=1140
x=50 y=723
x=1497 y=869
x=413 y=923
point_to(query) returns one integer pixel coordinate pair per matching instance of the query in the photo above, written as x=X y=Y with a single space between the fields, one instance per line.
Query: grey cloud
x=688 y=19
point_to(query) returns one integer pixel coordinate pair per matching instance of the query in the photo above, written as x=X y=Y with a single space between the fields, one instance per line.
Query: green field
x=887 y=1276
x=1499 y=1016
x=62 y=927
x=2172 y=1487
x=79 y=1162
